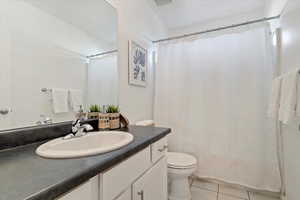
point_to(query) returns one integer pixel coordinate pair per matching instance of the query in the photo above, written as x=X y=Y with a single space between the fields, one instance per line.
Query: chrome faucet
x=79 y=130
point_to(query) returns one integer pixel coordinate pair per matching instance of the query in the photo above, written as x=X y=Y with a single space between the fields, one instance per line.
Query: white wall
x=5 y=75
x=275 y=7
x=290 y=59
x=234 y=19
x=137 y=21
x=114 y=3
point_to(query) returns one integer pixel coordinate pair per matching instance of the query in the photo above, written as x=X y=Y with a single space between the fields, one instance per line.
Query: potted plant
x=94 y=112
x=114 y=116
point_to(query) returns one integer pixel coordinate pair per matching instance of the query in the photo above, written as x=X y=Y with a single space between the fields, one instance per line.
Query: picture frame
x=138 y=64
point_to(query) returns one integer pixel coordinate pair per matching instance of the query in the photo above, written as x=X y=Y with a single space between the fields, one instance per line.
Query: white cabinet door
x=86 y=191
x=153 y=184
x=5 y=74
x=114 y=181
x=126 y=195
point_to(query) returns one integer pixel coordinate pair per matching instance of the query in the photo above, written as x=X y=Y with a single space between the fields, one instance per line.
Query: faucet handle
x=76 y=122
x=75 y=126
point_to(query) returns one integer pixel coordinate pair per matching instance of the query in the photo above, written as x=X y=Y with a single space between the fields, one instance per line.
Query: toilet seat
x=181 y=160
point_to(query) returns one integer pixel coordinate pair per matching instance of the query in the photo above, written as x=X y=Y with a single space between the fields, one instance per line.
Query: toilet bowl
x=180 y=167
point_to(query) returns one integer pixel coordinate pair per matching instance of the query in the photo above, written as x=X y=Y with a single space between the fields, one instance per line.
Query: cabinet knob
x=163 y=149
x=141 y=193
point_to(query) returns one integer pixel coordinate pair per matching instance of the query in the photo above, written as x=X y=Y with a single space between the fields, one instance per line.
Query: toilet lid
x=181 y=160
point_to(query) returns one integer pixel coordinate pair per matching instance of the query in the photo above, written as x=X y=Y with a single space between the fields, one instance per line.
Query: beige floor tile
x=243 y=194
x=254 y=196
x=206 y=185
x=200 y=194
x=227 y=197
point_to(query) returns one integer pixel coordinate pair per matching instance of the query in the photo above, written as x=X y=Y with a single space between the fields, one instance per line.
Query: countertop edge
x=67 y=185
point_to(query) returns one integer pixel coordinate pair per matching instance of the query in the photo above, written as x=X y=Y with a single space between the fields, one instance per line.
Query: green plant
x=95 y=108
x=112 y=109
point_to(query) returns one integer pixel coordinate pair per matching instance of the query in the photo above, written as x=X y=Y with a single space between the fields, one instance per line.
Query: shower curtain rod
x=218 y=29
x=103 y=53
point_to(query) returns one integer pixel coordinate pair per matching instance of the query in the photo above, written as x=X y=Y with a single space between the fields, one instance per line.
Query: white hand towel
x=288 y=99
x=60 y=100
x=275 y=98
x=145 y=123
x=76 y=99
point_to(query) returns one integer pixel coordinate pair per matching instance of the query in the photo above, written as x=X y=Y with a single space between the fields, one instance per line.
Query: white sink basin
x=90 y=144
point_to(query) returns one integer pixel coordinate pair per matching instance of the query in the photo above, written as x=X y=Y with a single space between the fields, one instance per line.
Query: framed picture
x=138 y=64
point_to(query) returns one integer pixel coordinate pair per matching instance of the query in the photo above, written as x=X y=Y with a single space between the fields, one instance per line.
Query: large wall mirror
x=49 y=47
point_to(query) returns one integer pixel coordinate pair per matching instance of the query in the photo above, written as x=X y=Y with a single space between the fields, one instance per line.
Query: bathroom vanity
x=141 y=176
x=137 y=171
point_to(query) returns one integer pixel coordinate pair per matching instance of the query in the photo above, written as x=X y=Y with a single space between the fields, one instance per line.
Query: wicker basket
x=114 y=120
x=93 y=115
x=104 y=121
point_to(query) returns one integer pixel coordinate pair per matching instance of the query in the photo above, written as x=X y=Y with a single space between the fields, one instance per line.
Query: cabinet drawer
x=115 y=181
x=159 y=149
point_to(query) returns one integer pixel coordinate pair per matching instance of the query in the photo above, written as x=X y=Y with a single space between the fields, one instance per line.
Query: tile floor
x=212 y=191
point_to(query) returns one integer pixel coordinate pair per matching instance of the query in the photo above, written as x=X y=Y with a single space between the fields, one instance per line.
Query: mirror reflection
x=57 y=58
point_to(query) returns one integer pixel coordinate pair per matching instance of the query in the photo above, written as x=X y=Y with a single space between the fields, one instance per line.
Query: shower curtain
x=213 y=92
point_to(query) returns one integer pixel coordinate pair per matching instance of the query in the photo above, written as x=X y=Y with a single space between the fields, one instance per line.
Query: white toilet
x=180 y=167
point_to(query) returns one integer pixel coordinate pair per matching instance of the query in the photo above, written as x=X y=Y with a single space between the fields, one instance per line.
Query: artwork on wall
x=138 y=65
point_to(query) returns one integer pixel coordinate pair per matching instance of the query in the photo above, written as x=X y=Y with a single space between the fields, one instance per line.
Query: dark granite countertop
x=26 y=176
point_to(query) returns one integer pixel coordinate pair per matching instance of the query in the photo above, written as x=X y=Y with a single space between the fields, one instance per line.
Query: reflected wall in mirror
x=46 y=50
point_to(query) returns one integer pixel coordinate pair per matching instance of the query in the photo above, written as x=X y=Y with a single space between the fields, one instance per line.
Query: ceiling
x=95 y=17
x=183 y=13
